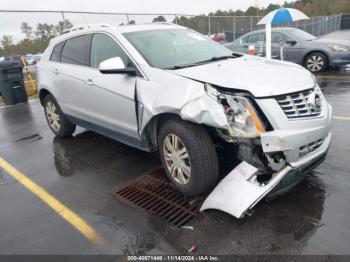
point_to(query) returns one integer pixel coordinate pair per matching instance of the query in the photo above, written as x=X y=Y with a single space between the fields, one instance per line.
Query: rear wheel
x=58 y=123
x=316 y=62
x=188 y=156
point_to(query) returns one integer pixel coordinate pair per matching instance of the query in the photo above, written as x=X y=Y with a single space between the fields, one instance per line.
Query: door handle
x=56 y=72
x=90 y=82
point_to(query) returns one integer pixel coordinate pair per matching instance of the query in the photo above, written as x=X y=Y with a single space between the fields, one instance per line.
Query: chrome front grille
x=309 y=148
x=296 y=105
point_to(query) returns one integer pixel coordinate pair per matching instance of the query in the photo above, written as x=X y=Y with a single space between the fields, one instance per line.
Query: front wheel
x=316 y=62
x=188 y=156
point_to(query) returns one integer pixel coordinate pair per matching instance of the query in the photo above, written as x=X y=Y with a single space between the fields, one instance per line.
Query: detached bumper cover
x=239 y=191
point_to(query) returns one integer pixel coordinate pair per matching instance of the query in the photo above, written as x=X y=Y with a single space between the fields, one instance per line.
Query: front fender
x=169 y=93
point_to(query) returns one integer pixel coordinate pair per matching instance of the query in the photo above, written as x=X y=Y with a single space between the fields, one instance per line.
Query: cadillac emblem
x=315 y=102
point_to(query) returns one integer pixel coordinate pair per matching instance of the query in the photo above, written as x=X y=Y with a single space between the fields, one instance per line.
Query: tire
x=55 y=118
x=316 y=62
x=194 y=174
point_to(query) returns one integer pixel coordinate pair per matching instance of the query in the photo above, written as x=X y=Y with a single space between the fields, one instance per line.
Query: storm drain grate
x=154 y=193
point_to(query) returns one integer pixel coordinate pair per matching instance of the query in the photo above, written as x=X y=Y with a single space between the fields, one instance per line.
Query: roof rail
x=162 y=23
x=82 y=27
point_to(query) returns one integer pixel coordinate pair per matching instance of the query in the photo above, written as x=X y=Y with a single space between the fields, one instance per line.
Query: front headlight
x=241 y=115
x=339 y=48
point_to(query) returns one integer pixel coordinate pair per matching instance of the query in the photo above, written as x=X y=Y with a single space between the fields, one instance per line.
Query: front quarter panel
x=166 y=92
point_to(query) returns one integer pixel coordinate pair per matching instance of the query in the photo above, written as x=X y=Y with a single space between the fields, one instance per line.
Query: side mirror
x=291 y=42
x=115 y=65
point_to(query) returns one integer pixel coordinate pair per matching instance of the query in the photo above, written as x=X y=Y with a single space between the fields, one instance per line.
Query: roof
x=275 y=29
x=76 y=30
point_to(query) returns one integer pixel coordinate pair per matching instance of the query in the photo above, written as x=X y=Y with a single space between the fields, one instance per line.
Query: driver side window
x=278 y=36
x=104 y=47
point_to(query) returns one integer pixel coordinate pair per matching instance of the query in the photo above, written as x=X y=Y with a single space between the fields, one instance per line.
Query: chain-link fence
x=233 y=27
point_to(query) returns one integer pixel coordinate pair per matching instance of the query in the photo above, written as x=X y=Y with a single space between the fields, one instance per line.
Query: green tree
x=6 y=41
x=45 y=31
x=159 y=19
x=63 y=26
x=8 y=45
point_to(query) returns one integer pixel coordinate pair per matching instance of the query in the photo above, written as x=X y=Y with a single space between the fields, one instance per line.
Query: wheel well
x=152 y=129
x=153 y=126
x=311 y=52
x=43 y=93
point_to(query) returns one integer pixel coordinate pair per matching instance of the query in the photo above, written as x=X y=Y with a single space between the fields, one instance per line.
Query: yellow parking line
x=75 y=220
x=341 y=118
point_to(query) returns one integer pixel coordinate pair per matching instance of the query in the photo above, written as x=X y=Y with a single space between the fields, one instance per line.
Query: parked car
x=166 y=88
x=29 y=59
x=16 y=59
x=5 y=59
x=36 y=58
x=32 y=59
x=315 y=54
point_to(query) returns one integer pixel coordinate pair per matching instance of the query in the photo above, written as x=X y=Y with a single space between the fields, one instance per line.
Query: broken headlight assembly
x=242 y=118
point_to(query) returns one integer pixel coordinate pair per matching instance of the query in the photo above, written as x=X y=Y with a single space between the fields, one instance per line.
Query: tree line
x=36 y=40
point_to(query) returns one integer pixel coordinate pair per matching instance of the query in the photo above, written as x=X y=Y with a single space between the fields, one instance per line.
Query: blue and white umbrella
x=282 y=15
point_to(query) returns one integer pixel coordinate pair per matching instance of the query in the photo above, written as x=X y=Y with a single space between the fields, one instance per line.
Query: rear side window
x=76 y=51
x=55 y=56
x=254 y=38
x=104 y=47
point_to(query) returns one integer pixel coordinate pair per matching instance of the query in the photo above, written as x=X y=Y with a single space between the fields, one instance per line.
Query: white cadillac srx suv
x=166 y=88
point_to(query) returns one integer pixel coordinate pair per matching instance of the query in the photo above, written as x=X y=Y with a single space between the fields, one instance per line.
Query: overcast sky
x=10 y=23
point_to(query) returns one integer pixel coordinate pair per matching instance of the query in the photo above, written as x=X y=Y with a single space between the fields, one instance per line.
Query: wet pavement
x=82 y=171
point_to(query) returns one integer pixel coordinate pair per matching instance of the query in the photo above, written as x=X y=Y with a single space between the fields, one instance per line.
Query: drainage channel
x=154 y=193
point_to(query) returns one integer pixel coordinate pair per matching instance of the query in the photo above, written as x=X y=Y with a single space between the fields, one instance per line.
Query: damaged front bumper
x=240 y=191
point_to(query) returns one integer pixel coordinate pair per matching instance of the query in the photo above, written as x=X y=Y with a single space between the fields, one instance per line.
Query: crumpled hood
x=259 y=76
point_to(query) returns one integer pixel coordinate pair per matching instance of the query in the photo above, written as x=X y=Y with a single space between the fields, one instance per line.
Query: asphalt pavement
x=81 y=172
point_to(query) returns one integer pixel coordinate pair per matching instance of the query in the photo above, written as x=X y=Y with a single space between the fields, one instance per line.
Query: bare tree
x=27 y=30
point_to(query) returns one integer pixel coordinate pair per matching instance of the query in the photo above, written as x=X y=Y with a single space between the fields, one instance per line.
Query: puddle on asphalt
x=334 y=85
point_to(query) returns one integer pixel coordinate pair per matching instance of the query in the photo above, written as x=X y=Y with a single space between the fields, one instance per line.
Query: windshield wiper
x=215 y=58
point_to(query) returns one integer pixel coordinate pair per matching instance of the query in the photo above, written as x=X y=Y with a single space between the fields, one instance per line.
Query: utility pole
x=63 y=16
x=257 y=5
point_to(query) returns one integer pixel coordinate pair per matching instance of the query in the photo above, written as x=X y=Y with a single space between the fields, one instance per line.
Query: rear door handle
x=90 y=82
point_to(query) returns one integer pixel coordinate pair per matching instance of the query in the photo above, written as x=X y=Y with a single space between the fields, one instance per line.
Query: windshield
x=175 y=48
x=300 y=35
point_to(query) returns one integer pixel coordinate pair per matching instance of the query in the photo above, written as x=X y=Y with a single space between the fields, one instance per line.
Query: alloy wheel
x=52 y=116
x=177 y=159
x=315 y=63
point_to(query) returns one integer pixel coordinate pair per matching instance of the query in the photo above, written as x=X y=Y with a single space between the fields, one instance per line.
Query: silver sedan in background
x=315 y=54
